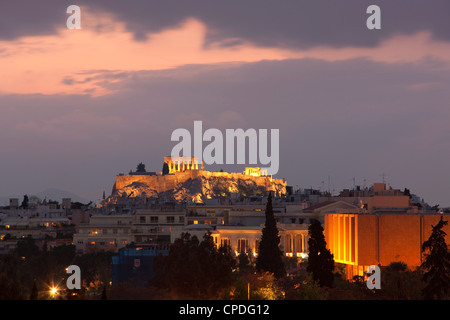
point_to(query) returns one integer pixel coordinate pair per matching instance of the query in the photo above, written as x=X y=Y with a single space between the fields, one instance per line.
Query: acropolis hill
x=184 y=179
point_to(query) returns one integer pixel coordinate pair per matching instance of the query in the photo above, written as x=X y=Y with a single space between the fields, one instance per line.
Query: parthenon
x=179 y=164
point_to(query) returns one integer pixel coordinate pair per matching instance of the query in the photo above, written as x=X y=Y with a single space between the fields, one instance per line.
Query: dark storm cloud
x=290 y=23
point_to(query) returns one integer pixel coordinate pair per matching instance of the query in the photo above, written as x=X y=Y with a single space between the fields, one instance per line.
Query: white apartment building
x=104 y=233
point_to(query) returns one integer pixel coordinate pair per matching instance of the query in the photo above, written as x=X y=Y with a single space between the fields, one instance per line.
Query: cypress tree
x=34 y=292
x=165 y=169
x=436 y=264
x=104 y=297
x=269 y=254
x=320 y=259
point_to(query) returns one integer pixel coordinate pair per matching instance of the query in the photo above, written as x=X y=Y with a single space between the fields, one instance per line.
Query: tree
x=104 y=297
x=436 y=264
x=25 y=202
x=269 y=254
x=311 y=290
x=243 y=263
x=398 y=282
x=320 y=259
x=194 y=269
x=140 y=167
x=165 y=169
x=34 y=292
x=27 y=247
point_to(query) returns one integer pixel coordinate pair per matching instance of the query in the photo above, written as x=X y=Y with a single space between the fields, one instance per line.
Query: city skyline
x=353 y=106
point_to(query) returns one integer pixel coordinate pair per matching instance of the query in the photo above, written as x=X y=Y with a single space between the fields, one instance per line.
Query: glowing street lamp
x=53 y=291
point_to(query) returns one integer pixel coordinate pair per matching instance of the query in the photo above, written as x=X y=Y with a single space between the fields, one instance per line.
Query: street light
x=53 y=291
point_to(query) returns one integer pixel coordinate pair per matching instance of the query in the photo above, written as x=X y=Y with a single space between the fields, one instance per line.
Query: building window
x=242 y=245
x=225 y=242
x=288 y=243
x=142 y=219
x=181 y=219
x=170 y=219
x=154 y=219
x=299 y=243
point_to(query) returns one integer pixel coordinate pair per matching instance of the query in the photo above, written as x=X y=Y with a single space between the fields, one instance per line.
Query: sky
x=352 y=105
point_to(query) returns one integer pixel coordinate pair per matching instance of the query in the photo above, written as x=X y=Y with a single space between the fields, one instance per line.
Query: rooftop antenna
x=329 y=187
x=354 y=183
x=329 y=184
x=383 y=175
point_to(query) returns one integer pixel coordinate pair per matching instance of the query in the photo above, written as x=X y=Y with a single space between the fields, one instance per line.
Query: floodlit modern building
x=362 y=239
x=384 y=229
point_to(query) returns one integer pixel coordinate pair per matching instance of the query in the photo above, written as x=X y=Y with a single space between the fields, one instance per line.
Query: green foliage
x=320 y=259
x=27 y=272
x=244 y=264
x=9 y=288
x=436 y=264
x=140 y=168
x=311 y=290
x=269 y=254
x=194 y=269
x=27 y=248
x=25 y=202
x=290 y=262
x=96 y=270
x=165 y=168
x=254 y=286
x=266 y=288
x=34 y=292
x=76 y=205
x=398 y=282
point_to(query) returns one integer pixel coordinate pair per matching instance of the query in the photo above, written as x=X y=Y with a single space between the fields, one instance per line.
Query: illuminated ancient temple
x=180 y=164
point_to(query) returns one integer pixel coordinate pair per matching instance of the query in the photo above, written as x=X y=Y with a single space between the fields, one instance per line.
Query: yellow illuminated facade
x=255 y=172
x=362 y=239
x=180 y=164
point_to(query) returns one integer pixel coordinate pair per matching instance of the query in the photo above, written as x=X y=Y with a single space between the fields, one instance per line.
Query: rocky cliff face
x=195 y=186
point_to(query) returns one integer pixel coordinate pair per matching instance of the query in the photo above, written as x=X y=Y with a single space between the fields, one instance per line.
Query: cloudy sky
x=80 y=106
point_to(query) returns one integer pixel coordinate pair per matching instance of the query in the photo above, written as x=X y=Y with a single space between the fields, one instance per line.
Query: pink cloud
x=91 y=60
